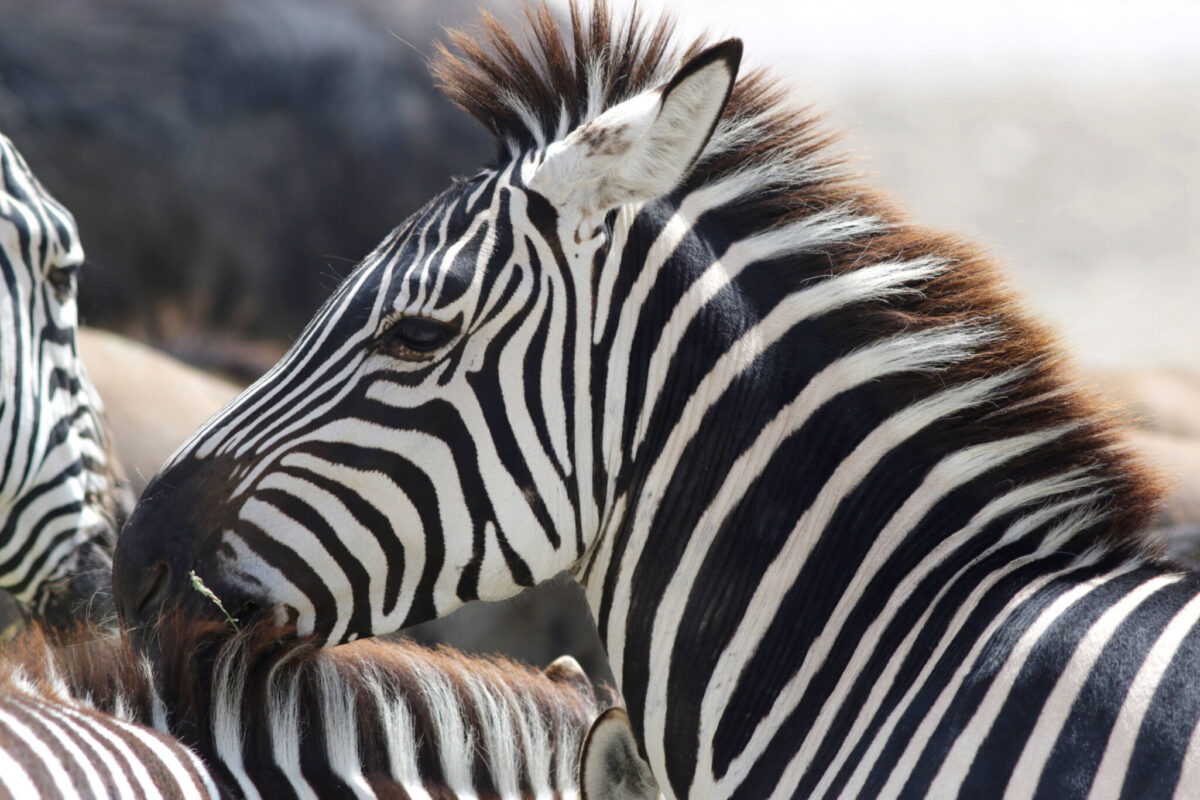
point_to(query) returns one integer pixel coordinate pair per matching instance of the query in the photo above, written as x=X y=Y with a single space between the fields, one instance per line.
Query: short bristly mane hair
x=532 y=92
x=531 y=95
x=450 y=719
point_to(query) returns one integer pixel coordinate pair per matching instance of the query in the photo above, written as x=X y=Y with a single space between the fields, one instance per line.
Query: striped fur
x=248 y=718
x=56 y=743
x=59 y=493
x=847 y=526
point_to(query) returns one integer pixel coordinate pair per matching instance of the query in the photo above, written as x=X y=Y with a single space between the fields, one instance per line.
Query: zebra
x=847 y=525
x=90 y=716
x=61 y=495
x=57 y=745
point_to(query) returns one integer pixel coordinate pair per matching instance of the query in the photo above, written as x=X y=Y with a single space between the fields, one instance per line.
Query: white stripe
x=850 y=472
x=65 y=733
x=494 y=711
x=399 y=737
x=1189 y=776
x=1057 y=707
x=108 y=761
x=669 y=236
x=905 y=352
x=1027 y=495
x=455 y=740
x=229 y=689
x=1110 y=775
x=375 y=488
x=815 y=231
x=953 y=471
x=181 y=771
x=14 y=778
x=339 y=723
x=283 y=713
x=143 y=784
x=227 y=427
x=883 y=734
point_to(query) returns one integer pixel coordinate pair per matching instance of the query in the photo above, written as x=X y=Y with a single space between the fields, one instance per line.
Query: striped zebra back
x=55 y=742
x=60 y=497
x=370 y=719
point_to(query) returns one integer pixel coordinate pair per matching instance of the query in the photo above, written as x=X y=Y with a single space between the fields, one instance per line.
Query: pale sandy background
x=1064 y=136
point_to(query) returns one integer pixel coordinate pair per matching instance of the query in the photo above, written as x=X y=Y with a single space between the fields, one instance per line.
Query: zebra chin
x=84 y=594
x=211 y=603
x=168 y=555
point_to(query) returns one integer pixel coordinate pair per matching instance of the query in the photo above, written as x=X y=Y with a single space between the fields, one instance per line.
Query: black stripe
x=995 y=650
x=1172 y=719
x=1080 y=746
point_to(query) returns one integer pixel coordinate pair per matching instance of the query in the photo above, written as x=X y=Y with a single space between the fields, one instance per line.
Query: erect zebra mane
x=393 y=714
x=532 y=89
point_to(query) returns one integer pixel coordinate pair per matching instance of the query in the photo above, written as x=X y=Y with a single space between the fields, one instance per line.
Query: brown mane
x=520 y=91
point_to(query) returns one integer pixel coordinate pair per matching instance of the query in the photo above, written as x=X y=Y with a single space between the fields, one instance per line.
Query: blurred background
x=229 y=161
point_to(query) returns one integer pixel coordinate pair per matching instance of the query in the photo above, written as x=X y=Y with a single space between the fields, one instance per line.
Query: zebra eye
x=415 y=338
x=62 y=278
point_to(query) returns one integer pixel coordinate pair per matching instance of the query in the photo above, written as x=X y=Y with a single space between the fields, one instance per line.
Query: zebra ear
x=644 y=147
x=565 y=670
x=609 y=765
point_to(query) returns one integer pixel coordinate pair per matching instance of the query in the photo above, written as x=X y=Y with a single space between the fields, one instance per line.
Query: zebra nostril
x=153 y=588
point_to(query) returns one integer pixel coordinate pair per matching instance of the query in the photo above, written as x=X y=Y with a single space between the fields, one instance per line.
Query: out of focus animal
x=153 y=402
x=60 y=495
x=1163 y=408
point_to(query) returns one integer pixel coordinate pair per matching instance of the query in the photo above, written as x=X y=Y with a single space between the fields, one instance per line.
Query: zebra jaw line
x=846 y=525
x=60 y=498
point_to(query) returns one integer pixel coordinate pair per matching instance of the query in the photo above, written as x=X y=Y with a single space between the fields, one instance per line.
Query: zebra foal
x=247 y=717
x=846 y=526
x=60 y=494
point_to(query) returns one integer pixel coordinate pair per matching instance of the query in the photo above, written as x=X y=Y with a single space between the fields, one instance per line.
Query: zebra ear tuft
x=610 y=767
x=643 y=148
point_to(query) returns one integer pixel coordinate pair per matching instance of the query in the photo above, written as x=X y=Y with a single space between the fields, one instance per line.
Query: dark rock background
x=229 y=161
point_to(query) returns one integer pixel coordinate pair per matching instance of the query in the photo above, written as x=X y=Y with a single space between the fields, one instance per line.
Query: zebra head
x=59 y=493
x=432 y=436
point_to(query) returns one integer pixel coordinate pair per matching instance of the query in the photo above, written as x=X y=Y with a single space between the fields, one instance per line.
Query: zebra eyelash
x=418 y=338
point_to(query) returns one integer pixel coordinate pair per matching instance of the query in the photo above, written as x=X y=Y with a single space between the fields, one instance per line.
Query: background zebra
x=56 y=744
x=845 y=525
x=60 y=498
x=90 y=718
